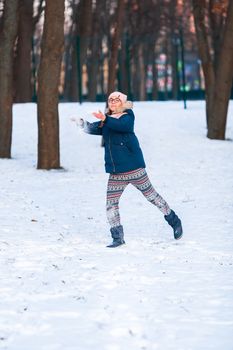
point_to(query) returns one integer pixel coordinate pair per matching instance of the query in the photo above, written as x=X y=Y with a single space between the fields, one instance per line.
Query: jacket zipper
x=114 y=169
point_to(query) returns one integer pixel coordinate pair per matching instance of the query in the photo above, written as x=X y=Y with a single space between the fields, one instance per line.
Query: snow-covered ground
x=62 y=289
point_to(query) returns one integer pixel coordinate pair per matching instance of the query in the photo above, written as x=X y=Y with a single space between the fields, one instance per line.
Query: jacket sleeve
x=124 y=124
x=92 y=128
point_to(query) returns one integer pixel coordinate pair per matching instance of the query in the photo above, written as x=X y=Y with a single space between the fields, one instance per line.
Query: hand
x=99 y=115
x=78 y=121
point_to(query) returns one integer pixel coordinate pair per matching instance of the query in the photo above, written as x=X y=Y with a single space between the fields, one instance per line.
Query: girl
x=125 y=163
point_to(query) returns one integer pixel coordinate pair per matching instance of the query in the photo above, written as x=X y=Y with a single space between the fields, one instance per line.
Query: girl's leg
x=115 y=188
x=143 y=184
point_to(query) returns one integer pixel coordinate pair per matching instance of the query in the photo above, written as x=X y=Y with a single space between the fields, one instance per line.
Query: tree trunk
x=141 y=72
x=72 y=74
x=7 y=41
x=93 y=68
x=147 y=47
x=114 y=47
x=123 y=68
x=173 y=43
x=96 y=47
x=216 y=24
x=73 y=83
x=82 y=17
x=204 y=52
x=102 y=76
x=85 y=28
x=23 y=85
x=155 y=77
x=48 y=81
x=166 y=71
x=135 y=76
x=175 y=75
x=67 y=63
x=223 y=82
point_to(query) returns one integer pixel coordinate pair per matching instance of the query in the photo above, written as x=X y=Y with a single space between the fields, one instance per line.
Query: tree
x=81 y=27
x=223 y=81
x=7 y=41
x=94 y=59
x=114 y=46
x=23 y=58
x=23 y=91
x=144 y=28
x=48 y=82
x=217 y=67
x=172 y=27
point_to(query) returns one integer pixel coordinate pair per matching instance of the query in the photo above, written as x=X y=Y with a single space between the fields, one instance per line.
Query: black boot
x=118 y=236
x=175 y=223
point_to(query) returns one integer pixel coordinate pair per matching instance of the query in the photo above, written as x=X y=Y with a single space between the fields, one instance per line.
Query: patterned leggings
x=138 y=178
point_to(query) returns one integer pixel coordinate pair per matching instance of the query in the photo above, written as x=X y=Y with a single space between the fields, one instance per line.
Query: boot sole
x=115 y=246
x=179 y=237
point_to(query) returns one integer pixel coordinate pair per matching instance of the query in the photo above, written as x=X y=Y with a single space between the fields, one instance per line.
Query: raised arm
x=123 y=124
x=91 y=128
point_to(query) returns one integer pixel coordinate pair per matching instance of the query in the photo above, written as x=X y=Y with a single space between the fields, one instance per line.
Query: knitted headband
x=118 y=94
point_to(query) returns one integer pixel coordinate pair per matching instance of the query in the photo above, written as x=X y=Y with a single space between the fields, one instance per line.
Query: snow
x=62 y=289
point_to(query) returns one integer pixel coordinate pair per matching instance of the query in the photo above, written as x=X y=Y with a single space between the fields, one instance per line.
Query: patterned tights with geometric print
x=139 y=179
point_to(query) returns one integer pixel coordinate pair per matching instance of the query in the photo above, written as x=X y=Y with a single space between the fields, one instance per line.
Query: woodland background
x=81 y=50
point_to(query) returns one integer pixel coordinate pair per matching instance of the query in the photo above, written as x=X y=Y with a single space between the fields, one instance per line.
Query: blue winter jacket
x=122 y=149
